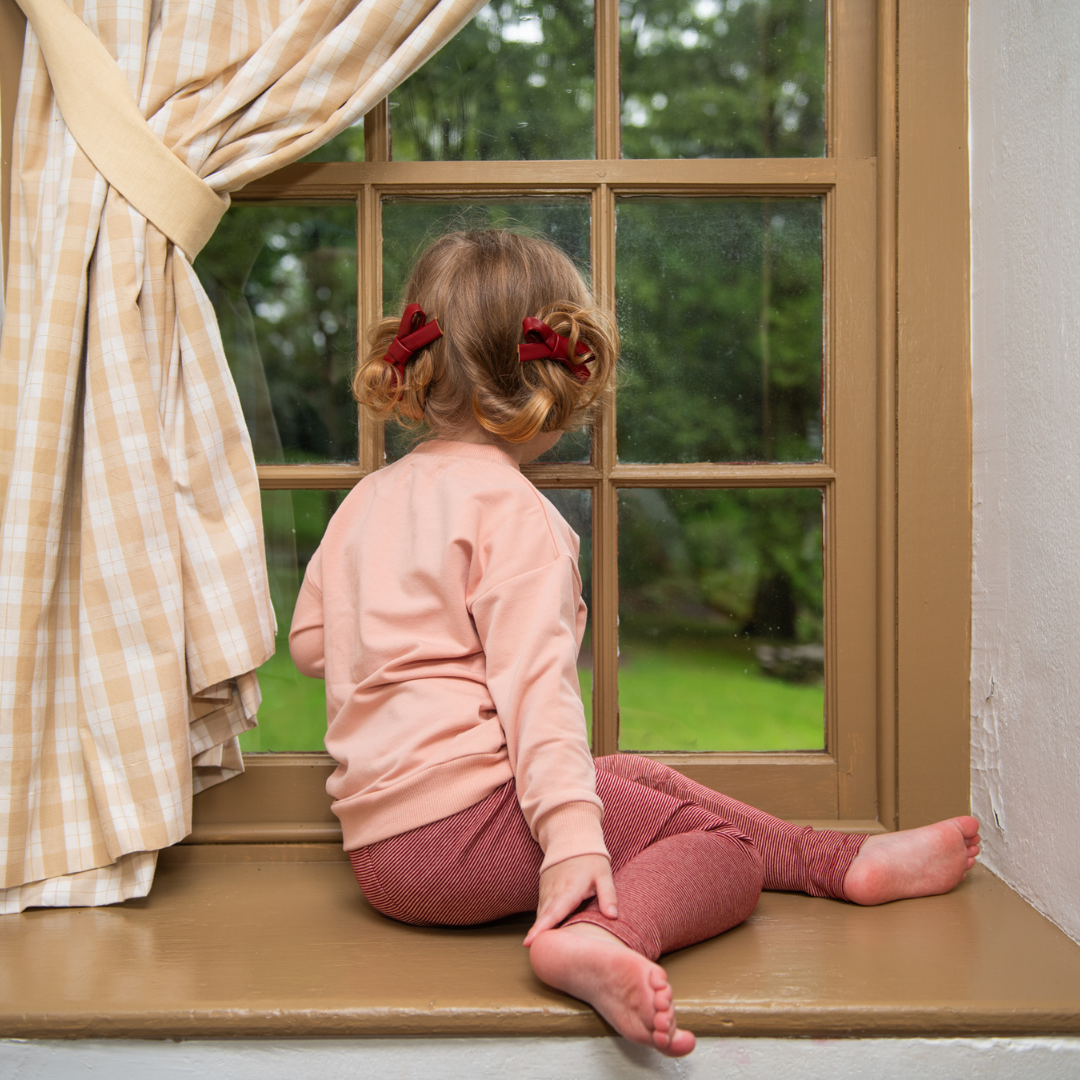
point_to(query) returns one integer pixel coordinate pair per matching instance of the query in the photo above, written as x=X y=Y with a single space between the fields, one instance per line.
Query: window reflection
x=721 y=620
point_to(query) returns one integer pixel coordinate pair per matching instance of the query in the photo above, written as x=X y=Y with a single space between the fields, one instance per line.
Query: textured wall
x=1025 y=203
x=545 y=1059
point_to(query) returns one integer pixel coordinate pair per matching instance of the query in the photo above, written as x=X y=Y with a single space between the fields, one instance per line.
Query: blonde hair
x=480 y=286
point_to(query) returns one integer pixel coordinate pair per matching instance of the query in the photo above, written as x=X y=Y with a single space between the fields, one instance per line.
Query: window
x=672 y=187
x=893 y=183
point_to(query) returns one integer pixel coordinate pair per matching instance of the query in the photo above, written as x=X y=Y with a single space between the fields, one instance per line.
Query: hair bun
x=482 y=285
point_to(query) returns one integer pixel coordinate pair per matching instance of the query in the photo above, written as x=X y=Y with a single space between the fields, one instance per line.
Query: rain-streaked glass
x=409 y=225
x=576 y=507
x=721 y=620
x=722 y=78
x=283 y=284
x=720 y=316
x=516 y=83
x=293 y=711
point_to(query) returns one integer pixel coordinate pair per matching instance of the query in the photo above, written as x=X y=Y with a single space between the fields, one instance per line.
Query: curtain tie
x=96 y=104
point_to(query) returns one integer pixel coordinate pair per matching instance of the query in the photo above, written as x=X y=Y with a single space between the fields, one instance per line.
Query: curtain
x=134 y=605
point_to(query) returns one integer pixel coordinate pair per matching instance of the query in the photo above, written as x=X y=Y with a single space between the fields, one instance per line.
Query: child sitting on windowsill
x=443 y=608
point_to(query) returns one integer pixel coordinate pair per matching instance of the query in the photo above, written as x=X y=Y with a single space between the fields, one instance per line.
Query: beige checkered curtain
x=133 y=597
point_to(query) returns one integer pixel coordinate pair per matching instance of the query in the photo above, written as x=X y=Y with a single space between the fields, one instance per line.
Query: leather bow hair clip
x=542 y=343
x=414 y=334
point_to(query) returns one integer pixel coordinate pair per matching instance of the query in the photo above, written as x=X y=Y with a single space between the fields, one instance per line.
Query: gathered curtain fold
x=134 y=606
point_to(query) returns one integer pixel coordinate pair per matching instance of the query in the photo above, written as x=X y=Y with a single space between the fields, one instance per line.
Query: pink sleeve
x=306 y=633
x=527 y=626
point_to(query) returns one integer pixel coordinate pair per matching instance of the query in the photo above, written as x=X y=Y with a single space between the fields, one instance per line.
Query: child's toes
x=662 y=1036
x=664 y=1021
x=678 y=1043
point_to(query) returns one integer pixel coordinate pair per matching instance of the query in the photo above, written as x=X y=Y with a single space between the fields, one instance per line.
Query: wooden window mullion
x=370 y=452
x=605 y=563
x=608 y=106
x=838 y=781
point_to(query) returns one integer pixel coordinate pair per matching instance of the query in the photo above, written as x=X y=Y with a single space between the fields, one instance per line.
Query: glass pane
x=721 y=620
x=408 y=226
x=347 y=145
x=709 y=78
x=516 y=83
x=720 y=310
x=293 y=711
x=576 y=507
x=574 y=446
x=283 y=284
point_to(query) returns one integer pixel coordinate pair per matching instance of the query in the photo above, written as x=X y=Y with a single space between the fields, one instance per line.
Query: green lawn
x=293 y=712
x=694 y=697
x=671 y=697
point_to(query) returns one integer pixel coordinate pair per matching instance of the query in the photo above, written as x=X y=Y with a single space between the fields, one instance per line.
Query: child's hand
x=564 y=886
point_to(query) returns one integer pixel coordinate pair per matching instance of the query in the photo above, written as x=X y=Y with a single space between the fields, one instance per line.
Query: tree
x=719 y=300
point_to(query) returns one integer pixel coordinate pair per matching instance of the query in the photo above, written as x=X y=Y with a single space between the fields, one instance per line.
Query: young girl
x=443 y=608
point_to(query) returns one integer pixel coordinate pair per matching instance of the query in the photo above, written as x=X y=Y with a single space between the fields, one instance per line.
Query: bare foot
x=630 y=992
x=915 y=862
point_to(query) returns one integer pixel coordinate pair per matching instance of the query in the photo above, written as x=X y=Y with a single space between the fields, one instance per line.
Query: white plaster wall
x=1024 y=68
x=545 y=1059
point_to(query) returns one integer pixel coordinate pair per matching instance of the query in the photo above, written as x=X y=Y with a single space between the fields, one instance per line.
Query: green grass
x=692 y=697
x=678 y=696
x=293 y=711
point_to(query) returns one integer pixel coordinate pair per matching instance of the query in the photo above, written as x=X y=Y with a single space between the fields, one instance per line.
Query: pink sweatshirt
x=443 y=608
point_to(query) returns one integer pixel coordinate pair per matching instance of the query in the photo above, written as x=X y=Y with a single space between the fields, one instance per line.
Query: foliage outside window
x=711 y=487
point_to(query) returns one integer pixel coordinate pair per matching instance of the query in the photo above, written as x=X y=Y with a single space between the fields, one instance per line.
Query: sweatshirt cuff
x=571 y=829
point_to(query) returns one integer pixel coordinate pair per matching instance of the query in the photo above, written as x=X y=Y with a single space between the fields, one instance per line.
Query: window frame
x=897 y=124
x=839 y=781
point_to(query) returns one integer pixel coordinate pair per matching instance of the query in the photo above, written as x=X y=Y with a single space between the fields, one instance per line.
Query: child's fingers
x=557 y=900
x=546 y=920
x=605 y=895
x=566 y=886
x=552 y=911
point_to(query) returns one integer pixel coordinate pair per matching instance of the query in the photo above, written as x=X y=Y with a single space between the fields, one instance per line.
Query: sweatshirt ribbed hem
x=569 y=830
x=427 y=796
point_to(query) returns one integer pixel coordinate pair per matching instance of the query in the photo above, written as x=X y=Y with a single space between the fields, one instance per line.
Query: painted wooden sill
x=276 y=940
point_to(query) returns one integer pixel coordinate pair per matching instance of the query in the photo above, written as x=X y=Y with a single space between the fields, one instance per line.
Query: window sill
x=280 y=798
x=276 y=941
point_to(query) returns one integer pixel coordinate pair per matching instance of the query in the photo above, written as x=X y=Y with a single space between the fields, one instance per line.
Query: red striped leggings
x=688 y=862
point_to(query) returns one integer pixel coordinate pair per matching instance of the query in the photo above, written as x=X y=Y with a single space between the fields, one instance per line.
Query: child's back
x=447 y=641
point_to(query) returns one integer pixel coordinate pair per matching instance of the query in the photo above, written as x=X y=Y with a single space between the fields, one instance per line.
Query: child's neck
x=522 y=453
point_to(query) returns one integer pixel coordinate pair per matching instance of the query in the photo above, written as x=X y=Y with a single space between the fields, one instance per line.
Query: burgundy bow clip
x=414 y=334
x=542 y=343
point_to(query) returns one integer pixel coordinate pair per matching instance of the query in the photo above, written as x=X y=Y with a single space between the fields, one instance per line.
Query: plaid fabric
x=133 y=596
